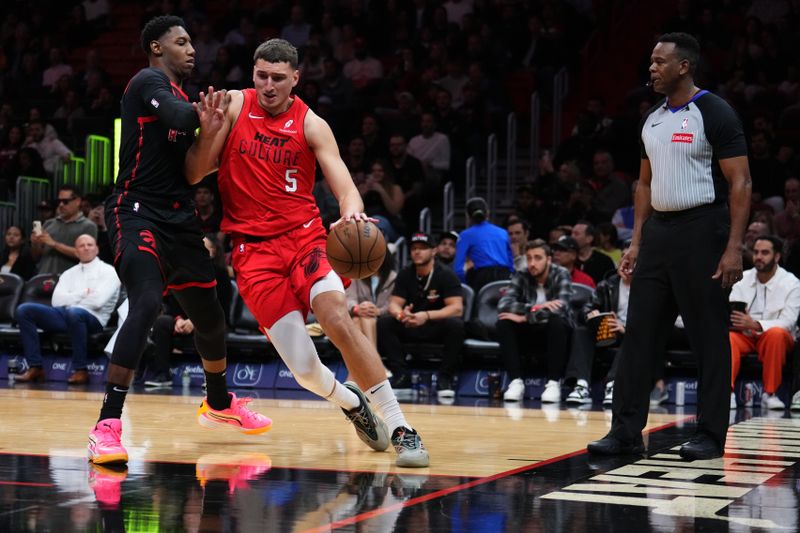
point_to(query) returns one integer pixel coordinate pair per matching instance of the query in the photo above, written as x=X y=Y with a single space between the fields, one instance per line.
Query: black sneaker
x=444 y=387
x=369 y=427
x=161 y=379
x=411 y=452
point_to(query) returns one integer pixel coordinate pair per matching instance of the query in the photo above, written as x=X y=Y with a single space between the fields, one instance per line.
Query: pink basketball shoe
x=104 y=442
x=237 y=417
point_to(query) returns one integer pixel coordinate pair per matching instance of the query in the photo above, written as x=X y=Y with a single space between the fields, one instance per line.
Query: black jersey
x=158 y=127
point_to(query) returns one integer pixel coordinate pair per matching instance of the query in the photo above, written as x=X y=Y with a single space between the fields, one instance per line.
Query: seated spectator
x=363 y=70
x=768 y=324
x=426 y=305
x=611 y=192
x=608 y=241
x=535 y=311
x=431 y=147
x=16 y=256
x=355 y=159
x=10 y=147
x=51 y=150
x=594 y=263
x=70 y=109
x=611 y=296
x=368 y=299
x=787 y=222
x=97 y=215
x=565 y=254
x=83 y=300
x=408 y=174
x=170 y=324
x=556 y=233
x=519 y=234
x=446 y=249
x=486 y=245
x=210 y=218
x=56 y=70
x=383 y=200
x=53 y=247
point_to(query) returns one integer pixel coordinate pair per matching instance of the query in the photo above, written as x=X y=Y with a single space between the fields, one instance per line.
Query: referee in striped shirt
x=691 y=209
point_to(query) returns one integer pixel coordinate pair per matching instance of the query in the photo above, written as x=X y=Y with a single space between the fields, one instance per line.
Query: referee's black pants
x=679 y=253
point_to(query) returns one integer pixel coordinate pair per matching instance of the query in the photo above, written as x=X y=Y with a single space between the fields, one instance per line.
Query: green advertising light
x=117 y=140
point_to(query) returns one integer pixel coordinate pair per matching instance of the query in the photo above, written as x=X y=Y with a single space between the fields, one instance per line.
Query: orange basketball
x=356 y=249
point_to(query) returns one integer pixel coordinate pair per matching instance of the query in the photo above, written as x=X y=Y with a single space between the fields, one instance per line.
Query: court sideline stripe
x=464 y=486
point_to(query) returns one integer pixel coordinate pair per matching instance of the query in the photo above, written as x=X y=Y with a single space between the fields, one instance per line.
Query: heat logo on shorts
x=310 y=263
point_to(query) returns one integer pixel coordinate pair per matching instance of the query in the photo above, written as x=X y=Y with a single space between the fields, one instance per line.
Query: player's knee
x=211 y=320
x=336 y=324
x=146 y=307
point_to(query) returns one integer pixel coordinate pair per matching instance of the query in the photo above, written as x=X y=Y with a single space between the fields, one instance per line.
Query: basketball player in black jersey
x=156 y=237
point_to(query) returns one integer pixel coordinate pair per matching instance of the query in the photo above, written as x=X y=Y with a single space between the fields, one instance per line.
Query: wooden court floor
x=493 y=468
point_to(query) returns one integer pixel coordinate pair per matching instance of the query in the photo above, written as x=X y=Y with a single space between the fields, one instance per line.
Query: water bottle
x=186 y=378
x=13 y=370
x=680 y=393
x=415 y=383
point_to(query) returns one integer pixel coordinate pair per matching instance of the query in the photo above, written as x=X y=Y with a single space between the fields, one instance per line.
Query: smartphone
x=37 y=227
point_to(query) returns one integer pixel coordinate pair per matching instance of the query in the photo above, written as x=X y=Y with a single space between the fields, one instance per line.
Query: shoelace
x=407 y=440
x=241 y=407
x=359 y=416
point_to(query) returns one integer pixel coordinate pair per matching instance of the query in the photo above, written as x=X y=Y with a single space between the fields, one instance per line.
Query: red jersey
x=266 y=174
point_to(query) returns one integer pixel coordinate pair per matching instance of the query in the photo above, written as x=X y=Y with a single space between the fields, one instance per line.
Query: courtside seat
x=38 y=289
x=10 y=291
x=485 y=315
x=581 y=295
x=244 y=334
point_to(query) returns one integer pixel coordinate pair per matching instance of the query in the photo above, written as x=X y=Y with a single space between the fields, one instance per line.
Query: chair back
x=10 y=291
x=486 y=303
x=39 y=289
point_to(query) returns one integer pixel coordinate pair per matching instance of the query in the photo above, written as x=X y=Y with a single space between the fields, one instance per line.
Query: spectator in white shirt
x=56 y=69
x=431 y=147
x=51 y=149
x=768 y=323
x=82 y=303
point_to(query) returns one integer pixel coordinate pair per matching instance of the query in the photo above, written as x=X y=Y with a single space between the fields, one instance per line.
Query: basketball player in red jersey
x=266 y=152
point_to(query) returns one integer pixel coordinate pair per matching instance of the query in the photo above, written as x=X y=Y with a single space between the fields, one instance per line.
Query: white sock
x=295 y=347
x=383 y=400
x=343 y=397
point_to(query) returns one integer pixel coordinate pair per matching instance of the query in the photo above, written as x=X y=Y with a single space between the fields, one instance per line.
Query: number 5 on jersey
x=291 y=183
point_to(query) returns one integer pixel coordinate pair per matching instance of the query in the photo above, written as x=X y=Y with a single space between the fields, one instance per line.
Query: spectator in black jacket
x=610 y=296
x=535 y=309
x=16 y=257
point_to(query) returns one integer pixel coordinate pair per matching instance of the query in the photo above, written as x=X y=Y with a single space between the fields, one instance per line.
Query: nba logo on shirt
x=685 y=123
x=154 y=103
x=241 y=248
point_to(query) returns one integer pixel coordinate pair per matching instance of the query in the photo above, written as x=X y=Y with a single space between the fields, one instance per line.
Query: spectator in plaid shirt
x=536 y=308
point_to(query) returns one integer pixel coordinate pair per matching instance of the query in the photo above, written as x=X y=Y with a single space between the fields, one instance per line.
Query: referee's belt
x=668 y=215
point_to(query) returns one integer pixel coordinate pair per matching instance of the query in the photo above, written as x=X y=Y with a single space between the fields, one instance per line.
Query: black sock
x=217 y=390
x=113 y=401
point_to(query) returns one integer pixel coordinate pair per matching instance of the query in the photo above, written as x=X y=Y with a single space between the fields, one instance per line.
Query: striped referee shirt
x=684 y=145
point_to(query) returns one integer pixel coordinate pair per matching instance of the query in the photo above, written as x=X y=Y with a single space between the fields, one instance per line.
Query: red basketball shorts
x=275 y=274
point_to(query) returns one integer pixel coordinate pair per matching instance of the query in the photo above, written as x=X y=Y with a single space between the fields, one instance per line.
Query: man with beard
x=768 y=323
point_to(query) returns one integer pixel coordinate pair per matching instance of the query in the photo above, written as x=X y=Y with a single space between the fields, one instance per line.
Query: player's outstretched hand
x=210 y=110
